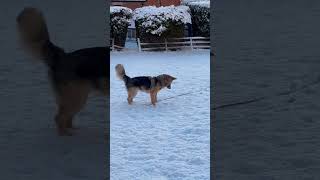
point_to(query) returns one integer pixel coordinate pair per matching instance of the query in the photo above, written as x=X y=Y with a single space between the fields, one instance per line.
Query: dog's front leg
x=70 y=124
x=156 y=97
x=132 y=92
x=153 y=98
x=129 y=99
x=62 y=121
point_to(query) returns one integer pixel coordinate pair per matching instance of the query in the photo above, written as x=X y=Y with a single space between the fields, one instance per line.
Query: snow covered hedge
x=120 y=20
x=200 y=15
x=156 y=23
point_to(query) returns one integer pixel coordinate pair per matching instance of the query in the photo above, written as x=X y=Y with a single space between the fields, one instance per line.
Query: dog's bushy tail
x=34 y=34
x=121 y=73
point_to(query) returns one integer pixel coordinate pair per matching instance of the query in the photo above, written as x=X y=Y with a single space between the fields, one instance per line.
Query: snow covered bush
x=200 y=15
x=120 y=20
x=153 y=24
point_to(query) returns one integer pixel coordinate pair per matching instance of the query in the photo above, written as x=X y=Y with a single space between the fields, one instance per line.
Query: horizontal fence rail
x=170 y=44
x=114 y=46
x=176 y=44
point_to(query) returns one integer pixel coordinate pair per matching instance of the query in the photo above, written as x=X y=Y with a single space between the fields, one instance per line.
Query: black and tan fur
x=73 y=75
x=148 y=84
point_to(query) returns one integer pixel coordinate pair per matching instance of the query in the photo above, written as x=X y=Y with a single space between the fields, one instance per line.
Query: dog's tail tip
x=120 y=71
x=32 y=25
x=119 y=65
x=32 y=30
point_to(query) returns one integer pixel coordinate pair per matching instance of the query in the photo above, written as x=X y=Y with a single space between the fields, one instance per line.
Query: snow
x=201 y=3
x=171 y=140
x=177 y=13
x=155 y=17
x=120 y=9
x=30 y=148
x=119 y=22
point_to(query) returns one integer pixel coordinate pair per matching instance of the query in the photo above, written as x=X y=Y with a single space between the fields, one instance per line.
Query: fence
x=114 y=47
x=170 y=44
x=111 y=44
x=176 y=44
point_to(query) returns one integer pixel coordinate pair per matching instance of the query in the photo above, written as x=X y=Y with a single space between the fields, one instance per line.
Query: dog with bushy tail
x=148 y=84
x=73 y=75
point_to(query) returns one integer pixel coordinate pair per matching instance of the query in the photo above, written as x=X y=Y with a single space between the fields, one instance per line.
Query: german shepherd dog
x=73 y=75
x=148 y=84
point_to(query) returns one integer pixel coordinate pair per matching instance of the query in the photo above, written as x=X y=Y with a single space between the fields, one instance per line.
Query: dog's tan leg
x=156 y=96
x=105 y=87
x=71 y=99
x=132 y=92
x=153 y=98
x=129 y=99
x=70 y=123
x=62 y=123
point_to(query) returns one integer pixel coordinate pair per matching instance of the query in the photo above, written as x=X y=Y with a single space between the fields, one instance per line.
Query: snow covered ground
x=29 y=145
x=273 y=54
x=171 y=140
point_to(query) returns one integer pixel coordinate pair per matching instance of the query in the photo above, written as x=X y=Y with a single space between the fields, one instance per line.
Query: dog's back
x=141 y=82
x=89 y=63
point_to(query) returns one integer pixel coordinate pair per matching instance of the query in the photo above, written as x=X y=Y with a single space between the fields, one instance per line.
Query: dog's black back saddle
x=141 y=82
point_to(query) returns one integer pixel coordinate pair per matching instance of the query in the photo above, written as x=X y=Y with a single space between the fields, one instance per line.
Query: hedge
x=154 y=24
x=200 y=16
x=120 y=20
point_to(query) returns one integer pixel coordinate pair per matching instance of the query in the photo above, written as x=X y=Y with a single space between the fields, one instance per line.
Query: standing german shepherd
x=73 y=75
x=148 y=84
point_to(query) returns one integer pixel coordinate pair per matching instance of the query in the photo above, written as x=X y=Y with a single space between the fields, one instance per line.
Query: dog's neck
x=157 y=81
x=52 y=53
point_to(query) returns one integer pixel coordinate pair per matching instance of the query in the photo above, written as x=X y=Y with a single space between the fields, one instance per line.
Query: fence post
x=191 y=44
x=166 y=44
x=139 y=45
x=112 y=44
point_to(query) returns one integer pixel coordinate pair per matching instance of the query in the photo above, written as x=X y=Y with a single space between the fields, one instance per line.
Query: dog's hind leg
x=153 y=96
x=70 y=123
x=132 y=92
x=156 y=96
x=102 y=85
x=71 y=99
x=62 y=120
